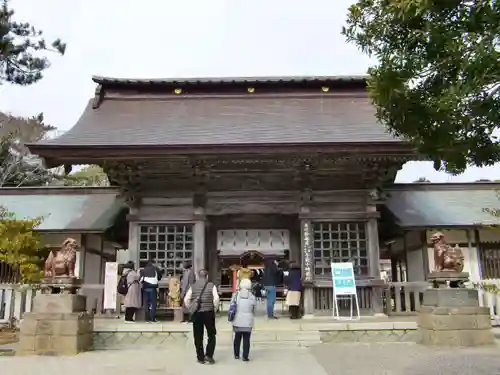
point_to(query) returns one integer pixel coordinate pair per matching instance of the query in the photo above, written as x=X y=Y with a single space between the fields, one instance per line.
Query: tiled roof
x=64 y=209
x=227 y=120
x=444 y=205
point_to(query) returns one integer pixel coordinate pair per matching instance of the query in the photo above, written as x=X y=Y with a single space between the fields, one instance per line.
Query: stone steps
x=260 y=338
x=111 y=334
x=284 y=338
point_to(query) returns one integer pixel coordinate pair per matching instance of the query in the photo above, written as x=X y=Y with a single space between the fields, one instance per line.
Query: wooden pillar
x=133 y=236
x=101 y=259
x=405 y=252
x=477 y=241
x=307 y=266
x=83 y=258
x=425 y=254
x=394 y=265
x=133 y=251
x=373 y=248
x=199 y=245
x=402 y=276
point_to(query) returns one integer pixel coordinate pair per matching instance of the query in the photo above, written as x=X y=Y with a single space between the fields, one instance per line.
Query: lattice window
x=339 y=242
x=489 y=259
x=169 y=244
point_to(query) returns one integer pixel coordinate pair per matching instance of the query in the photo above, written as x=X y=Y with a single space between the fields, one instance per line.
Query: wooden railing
x=395 y=298
x=404 y=298
x=15 y=300
x=370 y=298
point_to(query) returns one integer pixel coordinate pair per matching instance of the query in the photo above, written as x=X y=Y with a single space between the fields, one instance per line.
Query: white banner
x=110 y=286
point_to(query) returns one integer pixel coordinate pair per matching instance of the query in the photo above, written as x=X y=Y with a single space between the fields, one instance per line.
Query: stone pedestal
x=446 y=279
x=56 y=285
x=58 y=325
x=452 y=316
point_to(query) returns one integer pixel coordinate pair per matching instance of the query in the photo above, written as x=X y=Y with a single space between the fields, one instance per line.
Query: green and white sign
x=344 y=290
x=344 y=283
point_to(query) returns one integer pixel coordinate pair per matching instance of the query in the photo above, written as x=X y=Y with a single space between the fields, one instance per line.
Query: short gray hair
x=202 y=274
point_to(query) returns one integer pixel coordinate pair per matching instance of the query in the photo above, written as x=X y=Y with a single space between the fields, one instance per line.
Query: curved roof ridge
x=228 y=80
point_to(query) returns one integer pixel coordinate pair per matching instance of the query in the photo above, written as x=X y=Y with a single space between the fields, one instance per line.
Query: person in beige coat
x=132 y=300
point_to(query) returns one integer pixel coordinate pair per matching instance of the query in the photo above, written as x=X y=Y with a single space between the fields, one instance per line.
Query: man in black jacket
x=150 y=275
x=271 y=279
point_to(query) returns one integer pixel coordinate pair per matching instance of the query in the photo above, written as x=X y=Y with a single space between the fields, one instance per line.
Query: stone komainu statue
x=446 y=258
x=62 y=262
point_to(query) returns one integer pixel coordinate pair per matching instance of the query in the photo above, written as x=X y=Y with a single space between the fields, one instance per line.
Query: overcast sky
x=189 y=38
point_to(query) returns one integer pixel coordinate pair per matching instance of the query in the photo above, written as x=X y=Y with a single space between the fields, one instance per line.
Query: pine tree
x=22 y=48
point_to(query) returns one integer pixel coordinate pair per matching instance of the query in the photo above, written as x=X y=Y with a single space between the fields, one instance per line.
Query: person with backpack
x=129 y=286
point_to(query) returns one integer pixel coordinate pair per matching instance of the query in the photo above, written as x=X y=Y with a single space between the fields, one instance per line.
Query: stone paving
x=407 y=359
x=326 y=359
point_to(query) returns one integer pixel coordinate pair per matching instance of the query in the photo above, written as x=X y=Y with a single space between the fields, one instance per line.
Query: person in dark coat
x=293 y=284
x=271 y=279
x=150 y=275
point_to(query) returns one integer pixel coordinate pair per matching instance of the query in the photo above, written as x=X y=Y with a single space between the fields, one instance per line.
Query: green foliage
x=20 y=246
x=437 y=80
x=487 y=287
x=91 y=175
x=22 y=48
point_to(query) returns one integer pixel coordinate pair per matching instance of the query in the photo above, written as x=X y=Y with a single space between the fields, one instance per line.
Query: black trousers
x=238 y=337
x=202 y=320
x=294 y=312
x=129 y=314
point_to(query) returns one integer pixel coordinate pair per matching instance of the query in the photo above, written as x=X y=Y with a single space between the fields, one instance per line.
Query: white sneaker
x=129 y=322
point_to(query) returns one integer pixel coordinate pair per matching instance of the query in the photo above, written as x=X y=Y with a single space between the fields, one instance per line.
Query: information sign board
x=344 y=282
x=344 y=289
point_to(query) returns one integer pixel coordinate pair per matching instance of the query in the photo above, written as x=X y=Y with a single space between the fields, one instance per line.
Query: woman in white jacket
x=244 y=318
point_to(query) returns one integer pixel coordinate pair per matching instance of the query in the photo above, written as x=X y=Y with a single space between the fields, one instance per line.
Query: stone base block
x=54 y=345
x=463 y=337
x=57 y=324
x=452 y=322
x=454 y=326
x=59 y=303
x=451 y=297
x=55 y=334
